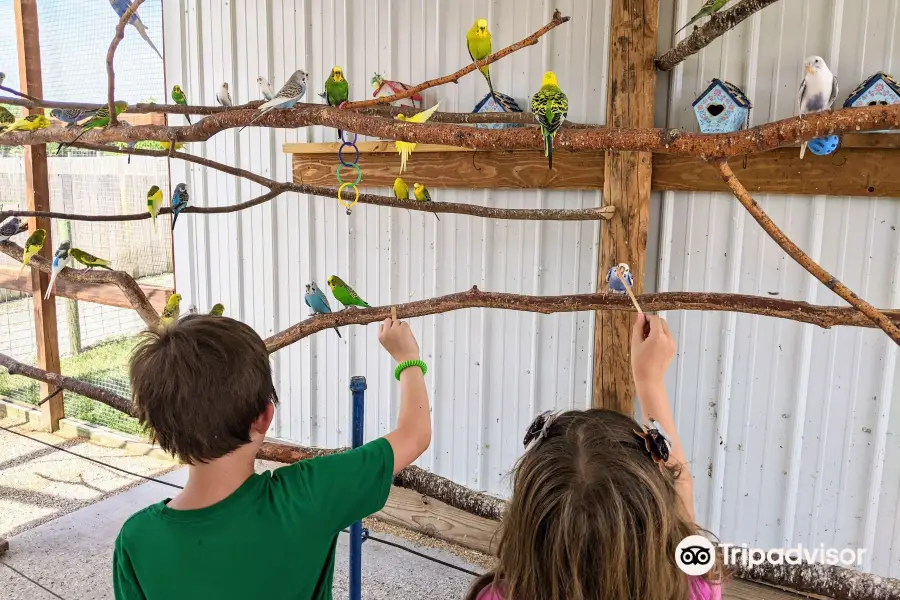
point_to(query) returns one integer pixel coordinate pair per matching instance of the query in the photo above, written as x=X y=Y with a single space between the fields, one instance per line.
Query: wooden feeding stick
x=620 y=273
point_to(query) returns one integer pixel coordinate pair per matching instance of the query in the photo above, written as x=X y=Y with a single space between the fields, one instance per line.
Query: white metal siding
x=791 y=430
x=491 y=371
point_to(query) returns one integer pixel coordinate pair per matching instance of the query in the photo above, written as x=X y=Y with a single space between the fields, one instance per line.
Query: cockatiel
x=406 y=148
x=818 y=89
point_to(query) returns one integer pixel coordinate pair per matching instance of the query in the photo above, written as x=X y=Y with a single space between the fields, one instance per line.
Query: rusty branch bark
x=828 y=581
x=531 y=40
x=110 y=58
x=803 y=259
x=704 y=35
x=823 y=316
x=762 y=138
x=124 y=281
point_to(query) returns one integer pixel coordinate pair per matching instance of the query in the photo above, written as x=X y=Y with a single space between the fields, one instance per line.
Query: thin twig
x=29 y=101
x=110 y=58
x=531 y=40
x=763 y=138
x=703 y=36
x=620 y=273
x=803 y=259
x=130 y=288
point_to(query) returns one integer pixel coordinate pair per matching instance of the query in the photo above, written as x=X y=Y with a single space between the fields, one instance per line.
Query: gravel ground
x=38 y=484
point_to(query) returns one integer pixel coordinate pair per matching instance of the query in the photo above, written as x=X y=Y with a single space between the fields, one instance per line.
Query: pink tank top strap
x=701 y=589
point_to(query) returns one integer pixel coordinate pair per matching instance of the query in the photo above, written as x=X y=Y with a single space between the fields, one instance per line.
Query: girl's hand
x=651 y=355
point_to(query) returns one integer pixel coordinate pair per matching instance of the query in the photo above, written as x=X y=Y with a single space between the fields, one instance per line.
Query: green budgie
x=179 y=98
x=99 y=118
x=337 y=90
x=217 y=310
x=345 y=294
x=478 y=41
x=6 y=118
x=709 y=8
x=89 y=260
x=550 y=107
x=172 y=310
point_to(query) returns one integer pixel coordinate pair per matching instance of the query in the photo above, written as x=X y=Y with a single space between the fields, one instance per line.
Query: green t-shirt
x=273 y=538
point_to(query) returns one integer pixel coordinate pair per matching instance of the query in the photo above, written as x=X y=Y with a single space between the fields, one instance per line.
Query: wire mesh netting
x=95 y=341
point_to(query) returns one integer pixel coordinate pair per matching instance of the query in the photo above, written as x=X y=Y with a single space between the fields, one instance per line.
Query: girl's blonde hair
x=592 y=516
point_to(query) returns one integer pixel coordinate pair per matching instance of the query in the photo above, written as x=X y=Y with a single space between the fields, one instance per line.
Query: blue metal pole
x=358 y=390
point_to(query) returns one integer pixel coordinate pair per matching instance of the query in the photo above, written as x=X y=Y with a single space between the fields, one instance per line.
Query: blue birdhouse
x=722 y=108
x=879 y=89
x=497 y=104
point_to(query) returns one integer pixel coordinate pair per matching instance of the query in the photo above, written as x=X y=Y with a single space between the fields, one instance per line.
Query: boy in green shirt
x=204 y=387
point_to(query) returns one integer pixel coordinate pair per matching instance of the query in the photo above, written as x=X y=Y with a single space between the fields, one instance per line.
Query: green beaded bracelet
x=410 y=363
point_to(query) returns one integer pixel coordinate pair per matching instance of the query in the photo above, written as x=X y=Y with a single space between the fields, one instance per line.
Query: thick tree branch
x=139 y=108
x=110 y=58
x=762 y=138
x=123 y=280
x=531 y=40
x=704 y=35
x=827 y=581
x=803 y=259
x=823 y=316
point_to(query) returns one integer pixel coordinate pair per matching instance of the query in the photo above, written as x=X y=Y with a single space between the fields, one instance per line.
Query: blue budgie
x=318 y=301
x=120 y=6
x=70 y=116
x=179 y=202
x=289 y=94
x=614 y=283
x=61 y=260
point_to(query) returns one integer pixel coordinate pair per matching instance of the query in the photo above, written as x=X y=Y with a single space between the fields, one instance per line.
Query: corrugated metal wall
x=792 y=430
x=490 y=370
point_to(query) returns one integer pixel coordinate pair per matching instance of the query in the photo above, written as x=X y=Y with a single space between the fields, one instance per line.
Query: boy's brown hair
x=591 y=516
x=199 y=384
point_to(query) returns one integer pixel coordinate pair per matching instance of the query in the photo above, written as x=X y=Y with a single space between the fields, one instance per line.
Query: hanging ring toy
x=351 y=143
x=341 y=200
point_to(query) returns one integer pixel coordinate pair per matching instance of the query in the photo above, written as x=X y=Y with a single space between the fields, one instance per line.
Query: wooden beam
x=37 y=194
x=107 y=294
x=632 y=87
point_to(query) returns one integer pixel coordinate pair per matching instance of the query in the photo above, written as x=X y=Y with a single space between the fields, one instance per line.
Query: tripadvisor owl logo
x=695 y=555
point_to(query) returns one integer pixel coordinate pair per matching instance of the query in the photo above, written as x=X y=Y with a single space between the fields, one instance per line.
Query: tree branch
x=123 y=280
x=703 y=36
x=531 y=40
x=110 y=58
x=823 y=316
x=803 y=259
x=827 y=581
x=762 y=138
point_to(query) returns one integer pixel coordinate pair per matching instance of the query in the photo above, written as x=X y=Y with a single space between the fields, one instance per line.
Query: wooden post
x=37 y=193
x=632 y=87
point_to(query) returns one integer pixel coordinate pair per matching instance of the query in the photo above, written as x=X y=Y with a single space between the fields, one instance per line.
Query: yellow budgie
x=406 y=148
x=172 y=310
x=478 y=41
x=29 y=123
x=167 y=145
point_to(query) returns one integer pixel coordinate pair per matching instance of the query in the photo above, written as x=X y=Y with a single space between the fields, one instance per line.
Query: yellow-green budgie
x=422 y=195
x=29 y=123
x=167 y=145
x=406 y=148
x=172 y=309
x=401 y=189
x=32 y=246
x=89 y=260
x=154 y=202
x=550 y=107
x=217 y=310
x=478 y=40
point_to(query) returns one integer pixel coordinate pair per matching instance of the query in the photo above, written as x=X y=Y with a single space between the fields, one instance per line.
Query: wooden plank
x=37 y=194
x=107 y=294
x=386 y=146
x=632 y=88
x=412 y=510
x=738 y=589
x=496 y=169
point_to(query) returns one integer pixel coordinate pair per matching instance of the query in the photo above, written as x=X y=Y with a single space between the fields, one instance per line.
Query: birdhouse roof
x=733 y=91
x=395 y=87
x=508 y=103
x=865 y=85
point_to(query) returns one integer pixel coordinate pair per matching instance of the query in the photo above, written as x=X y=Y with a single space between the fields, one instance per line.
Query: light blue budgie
x=289 y=94
x=61 y=260
x=120 y=6
x=179 y=201
x=318 y=301
x=614 y=284
x=70 y=116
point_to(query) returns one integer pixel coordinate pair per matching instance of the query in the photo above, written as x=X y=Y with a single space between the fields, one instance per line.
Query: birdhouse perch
x=722 y=108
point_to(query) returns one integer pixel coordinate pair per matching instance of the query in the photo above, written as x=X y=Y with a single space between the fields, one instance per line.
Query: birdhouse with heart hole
x=496 y=104
x=878 y=90
x=722 y=108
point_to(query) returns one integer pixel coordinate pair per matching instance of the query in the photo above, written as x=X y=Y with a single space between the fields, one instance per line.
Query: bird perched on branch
x=70 y=116
x=167 y=145
x=89 y=260
x=32 y=246
x=6 y=118
x=180 y=99
x=13 y=227
x=29 y=123
x=217 y=310
x=61 y=260
x=154 y=203
x=180 y=200
x=478 y=41
x=223 y=96
x=614 y=283
x=422 y=195
x=289 y=94
x=172 y=310
x=95 y=119
x=337 y=90
x=406 y=148
x=550 y=107
x=401 y=189
x=818 y=89
x=345 y=294
x=265 y=88
x=709 y=8
x=318 y=301
x=120 y=6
